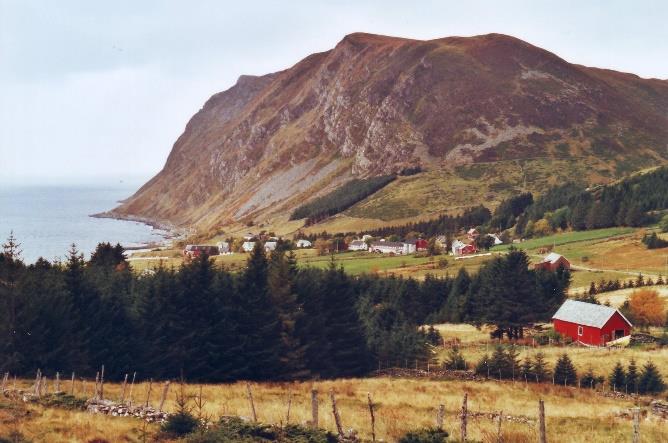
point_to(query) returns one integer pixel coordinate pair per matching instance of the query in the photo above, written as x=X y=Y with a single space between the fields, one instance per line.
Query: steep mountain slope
x=376 y=105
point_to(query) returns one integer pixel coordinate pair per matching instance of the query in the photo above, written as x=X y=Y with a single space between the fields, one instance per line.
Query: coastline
x=168 y=231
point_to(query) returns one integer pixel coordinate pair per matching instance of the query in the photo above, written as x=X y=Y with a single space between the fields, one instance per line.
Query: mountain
x=482 y=116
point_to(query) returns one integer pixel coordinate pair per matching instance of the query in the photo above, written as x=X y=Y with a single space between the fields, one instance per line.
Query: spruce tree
x=590 y=380
x=564 y=371
x=259 y=326
x=455 y=360
x=482 y=367
x=539 y=368
x=650 y=381
x=617 y=379
x=632 y=377
x=281 y=272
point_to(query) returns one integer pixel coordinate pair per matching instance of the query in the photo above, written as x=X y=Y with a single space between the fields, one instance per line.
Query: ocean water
x=47 y=219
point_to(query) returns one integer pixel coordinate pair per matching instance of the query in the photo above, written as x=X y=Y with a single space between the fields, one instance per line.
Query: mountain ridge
x=375 y=105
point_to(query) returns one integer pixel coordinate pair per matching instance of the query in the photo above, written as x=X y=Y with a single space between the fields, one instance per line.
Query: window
x=580 y=330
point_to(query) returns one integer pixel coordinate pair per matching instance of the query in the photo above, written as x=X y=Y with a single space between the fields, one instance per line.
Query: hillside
x=489 y=114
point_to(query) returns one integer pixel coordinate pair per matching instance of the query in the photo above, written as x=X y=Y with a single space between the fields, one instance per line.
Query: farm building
x=303 y=243
x=589 y=323
x=391 y=247
x=419 y=243
x=552 y=262
x=270 y=246
x=497 y=240
x=248 y=246
x=472 y=234
x=192 y=251
x=357 y=245
x=461 y=248
x=224 y=247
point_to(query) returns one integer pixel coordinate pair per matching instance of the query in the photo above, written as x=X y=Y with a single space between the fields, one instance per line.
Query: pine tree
x=592 y=289
x=590 y=380
x=281 y=272
x=455 y=360
x=483 y=367
x=617 y=379
x=259 y=325
x=564 y=371
x=650 y=381
x=632 y=377
x=539 y=368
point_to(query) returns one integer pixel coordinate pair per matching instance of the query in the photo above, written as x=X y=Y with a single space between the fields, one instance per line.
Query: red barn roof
x=588 y=314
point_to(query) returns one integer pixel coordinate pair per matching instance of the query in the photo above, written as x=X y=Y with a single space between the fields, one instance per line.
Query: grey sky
x=90 y=90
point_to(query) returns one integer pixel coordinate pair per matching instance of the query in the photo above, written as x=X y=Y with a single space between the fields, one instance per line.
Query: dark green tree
x=564 y=371
x=650 y=381
x=617 y=379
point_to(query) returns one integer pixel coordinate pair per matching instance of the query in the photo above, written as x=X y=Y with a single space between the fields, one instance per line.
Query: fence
x=128 y=405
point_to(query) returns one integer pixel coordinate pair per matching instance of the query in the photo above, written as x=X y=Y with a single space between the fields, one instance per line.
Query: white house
x=357 y=245
x=366 y=237
x=248 y=246
x=223 y=247
x=391 y=247
x=303 y=243
x=270 y=246
x=497 y=240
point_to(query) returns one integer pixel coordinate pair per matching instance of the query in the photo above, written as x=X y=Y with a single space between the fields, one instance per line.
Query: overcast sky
x=100 y=90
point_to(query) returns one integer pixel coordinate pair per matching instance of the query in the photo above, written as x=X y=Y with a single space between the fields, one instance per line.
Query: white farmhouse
x=248 y=246
x=303 y=243
x=357 y=245
x=391 y=247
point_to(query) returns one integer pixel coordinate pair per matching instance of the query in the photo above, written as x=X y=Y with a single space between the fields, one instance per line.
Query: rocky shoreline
x=170 y=233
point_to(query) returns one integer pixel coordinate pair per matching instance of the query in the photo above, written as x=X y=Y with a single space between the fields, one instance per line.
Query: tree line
x=271 y=321
x=340 y=199
x=505 y=364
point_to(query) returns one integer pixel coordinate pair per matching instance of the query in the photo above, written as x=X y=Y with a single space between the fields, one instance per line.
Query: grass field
x=475 y=343
x=573 y=415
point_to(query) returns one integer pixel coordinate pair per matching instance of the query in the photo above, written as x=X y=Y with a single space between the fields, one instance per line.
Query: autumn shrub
x=647 y=308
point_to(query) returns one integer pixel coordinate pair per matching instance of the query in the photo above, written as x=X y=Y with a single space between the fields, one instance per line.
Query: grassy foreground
x=572 y=415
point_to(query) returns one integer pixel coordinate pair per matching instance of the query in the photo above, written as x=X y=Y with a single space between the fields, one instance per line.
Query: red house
x=589 y=323
x=552 y=262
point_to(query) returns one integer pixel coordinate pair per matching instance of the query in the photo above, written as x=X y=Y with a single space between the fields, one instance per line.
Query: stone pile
x=660 y=409
x=640 y=338
x=521 y=419
x=109 y=407
x=436 y=373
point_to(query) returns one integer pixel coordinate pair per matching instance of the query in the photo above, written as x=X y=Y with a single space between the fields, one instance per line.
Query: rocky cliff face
x=375 y=105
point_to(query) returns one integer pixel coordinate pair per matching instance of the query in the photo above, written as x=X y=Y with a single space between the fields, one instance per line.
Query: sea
x=47 y=219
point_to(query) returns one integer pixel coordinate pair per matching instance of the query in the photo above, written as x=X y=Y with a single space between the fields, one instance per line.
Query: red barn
x=589 y=323
x=552 y=262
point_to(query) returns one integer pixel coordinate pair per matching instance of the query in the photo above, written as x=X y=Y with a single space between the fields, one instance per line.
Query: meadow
x=573 y=415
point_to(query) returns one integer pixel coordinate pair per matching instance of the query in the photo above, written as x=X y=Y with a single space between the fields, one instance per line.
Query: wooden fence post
x=4 y=381
x=439 y=416
x=57 y=388
x=314 y=408
x=148 y=392
x=499 y=438
x=102 y=383
x=96 y=391
x=335 y=411
x=72 y=385
x=164 y=395
x=542 y=437
x=636 y=425
x=287 y=416
x=250 y=400
x=125 y=384
x=373 y=417
x=132 y=385
x=464 y=417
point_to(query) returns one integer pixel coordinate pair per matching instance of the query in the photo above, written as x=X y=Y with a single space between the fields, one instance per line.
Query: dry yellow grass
x=573 y=415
